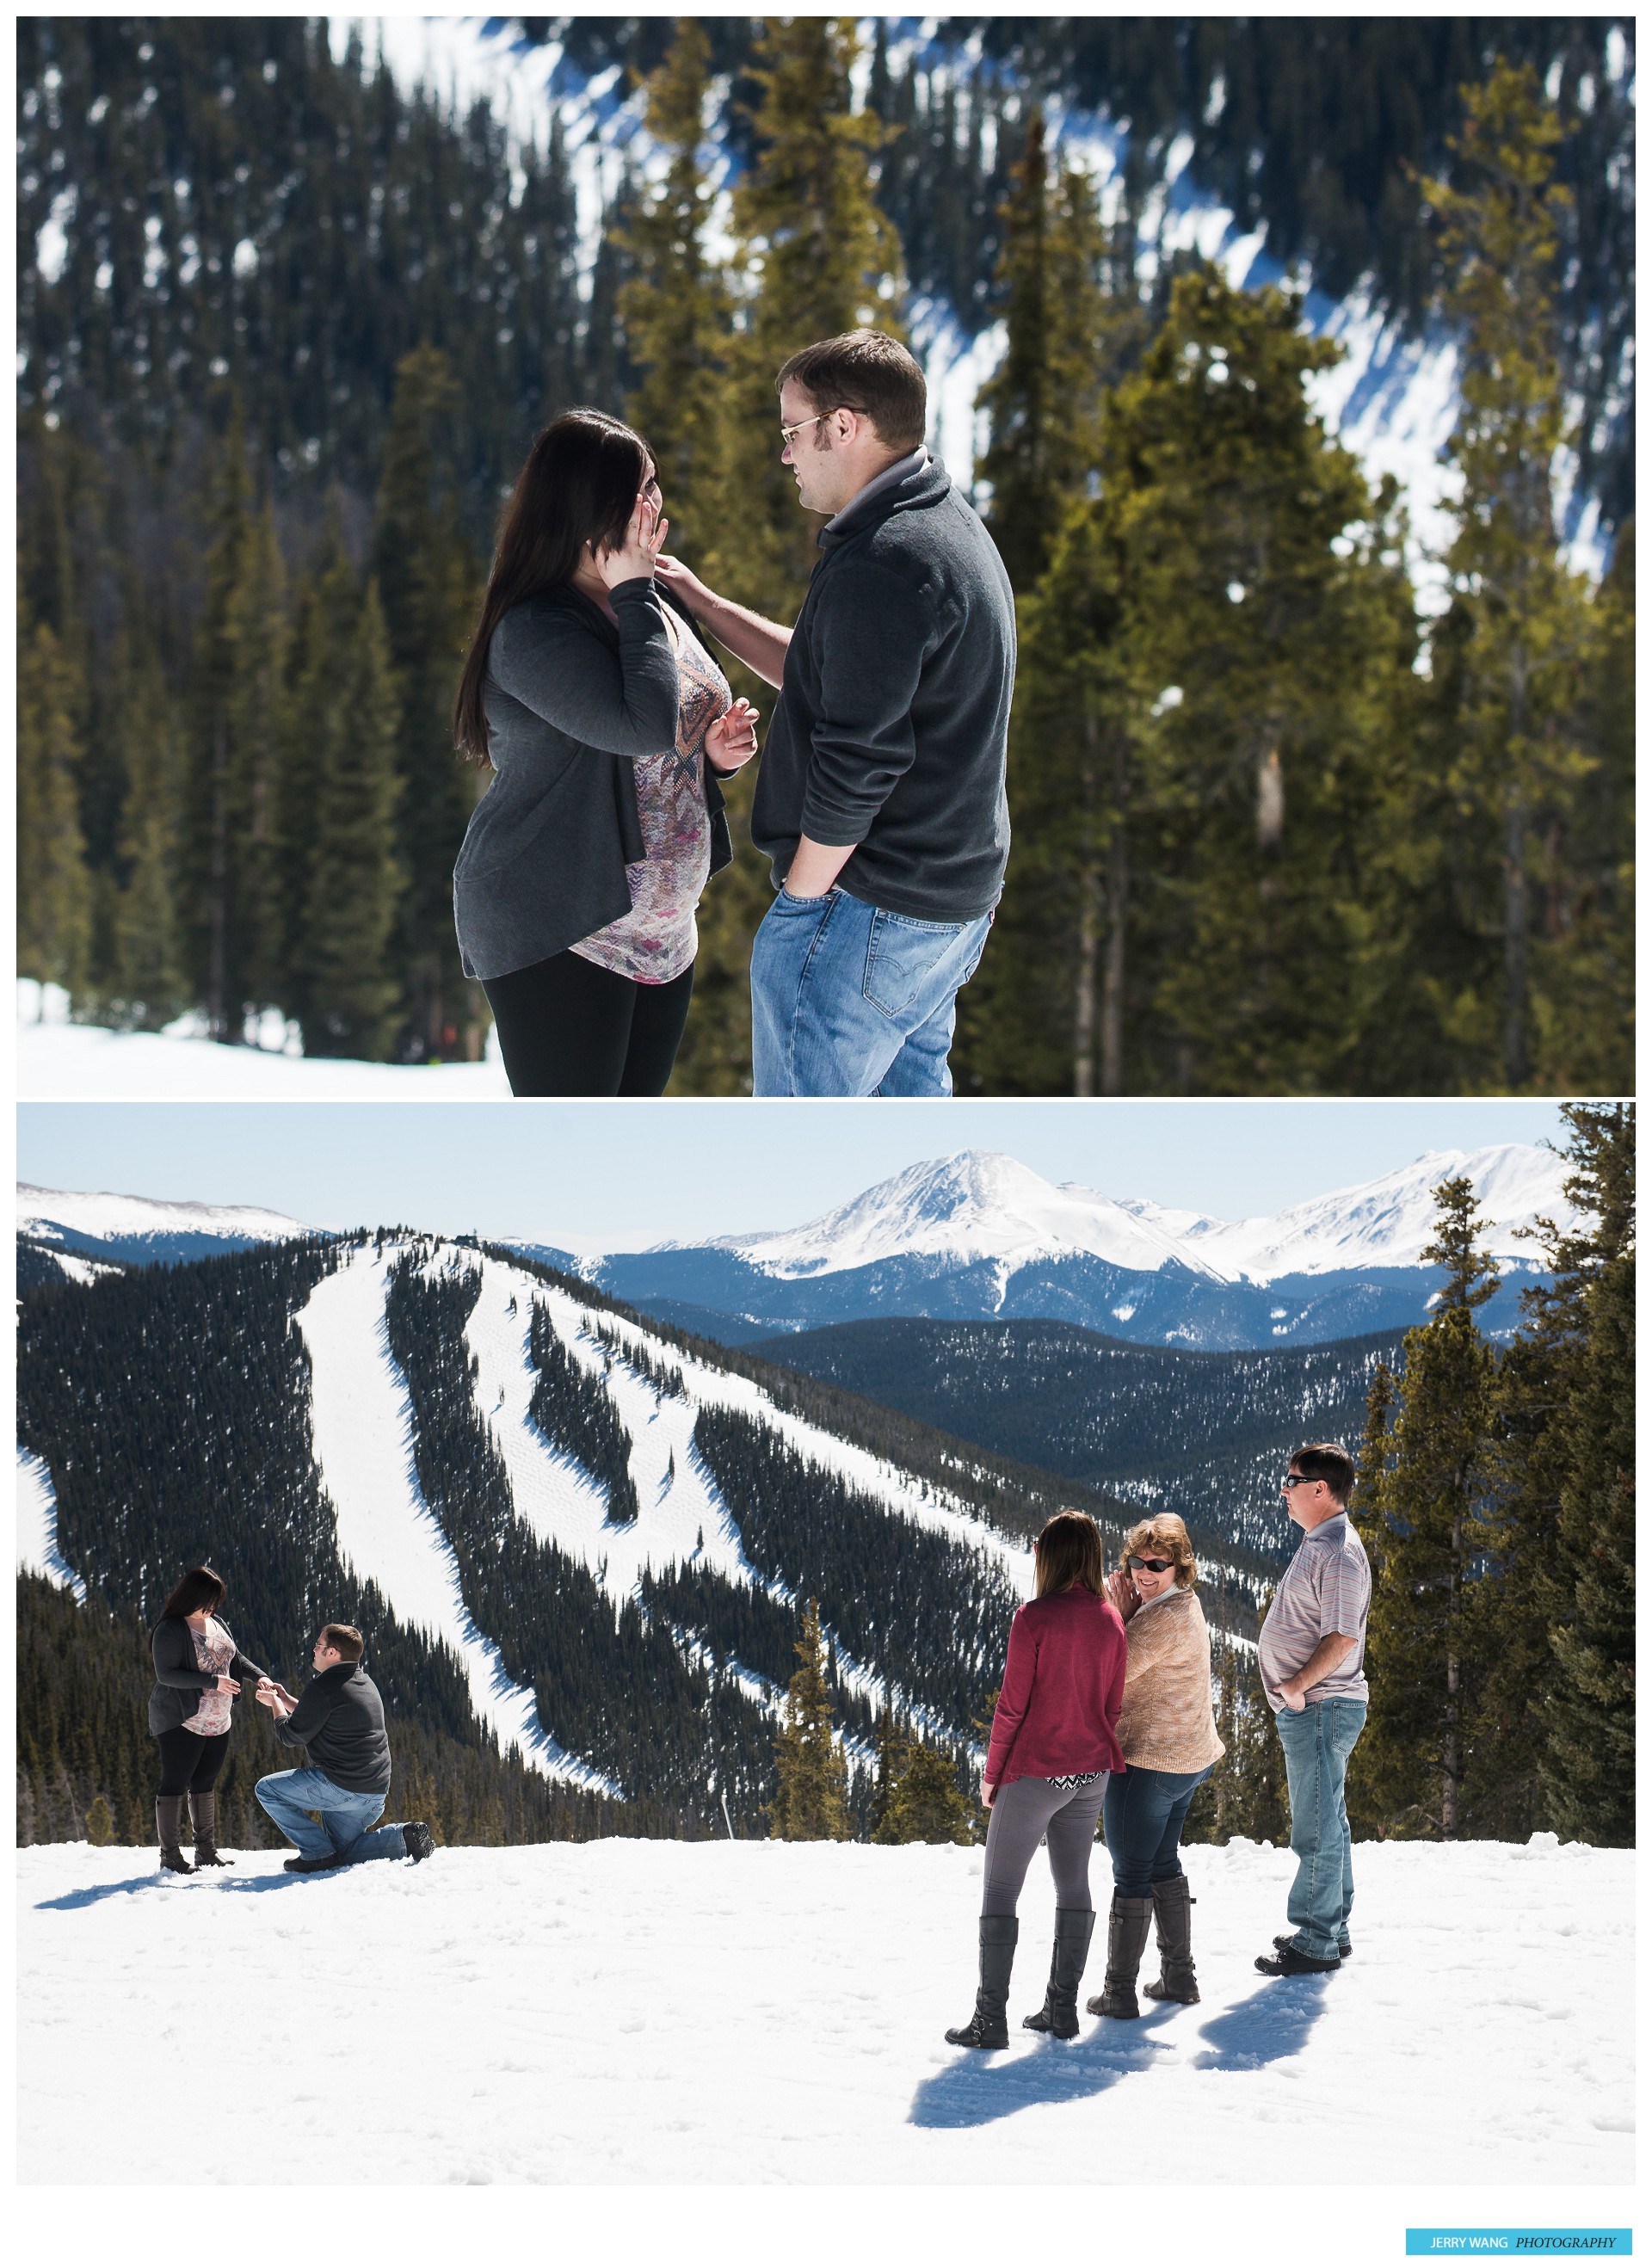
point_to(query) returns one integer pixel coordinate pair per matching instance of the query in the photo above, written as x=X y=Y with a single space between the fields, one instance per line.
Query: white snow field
x=767 y=2012
x=61 y=1062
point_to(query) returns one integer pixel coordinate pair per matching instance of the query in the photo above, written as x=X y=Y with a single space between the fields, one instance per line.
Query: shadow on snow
x=1270 y=2027
x=94 y=1893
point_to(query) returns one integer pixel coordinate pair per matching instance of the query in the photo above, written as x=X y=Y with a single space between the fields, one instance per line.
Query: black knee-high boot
x=1059 y=2014
x=989 y=2027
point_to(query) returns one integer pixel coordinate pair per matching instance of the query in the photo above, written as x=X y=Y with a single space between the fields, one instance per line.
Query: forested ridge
x=286 y=330
x=1112 y=1412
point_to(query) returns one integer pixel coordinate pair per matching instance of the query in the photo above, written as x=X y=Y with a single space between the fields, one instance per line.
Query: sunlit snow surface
x=772 y=2013
x=37 y=1552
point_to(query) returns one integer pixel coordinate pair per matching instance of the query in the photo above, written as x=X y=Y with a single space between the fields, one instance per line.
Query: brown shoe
x=168 y=1821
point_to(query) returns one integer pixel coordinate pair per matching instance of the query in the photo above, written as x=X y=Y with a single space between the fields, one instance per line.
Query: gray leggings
x=1023 y=1810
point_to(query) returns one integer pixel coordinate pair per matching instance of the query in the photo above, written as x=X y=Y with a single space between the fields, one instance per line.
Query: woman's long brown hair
x=1069 y=1551
x=198 y=1587
x=578 y=486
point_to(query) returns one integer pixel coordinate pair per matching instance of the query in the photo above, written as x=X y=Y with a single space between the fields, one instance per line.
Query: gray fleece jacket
x=893 y=719
x=571 y=702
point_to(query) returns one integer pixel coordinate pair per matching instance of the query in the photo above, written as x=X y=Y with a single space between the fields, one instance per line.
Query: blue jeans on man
x=348 y=1831
x=1142 y=1816
x=849 y=999
x=1318 y=1739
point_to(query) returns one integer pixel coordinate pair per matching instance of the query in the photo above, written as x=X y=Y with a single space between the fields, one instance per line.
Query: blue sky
x=597 y=1176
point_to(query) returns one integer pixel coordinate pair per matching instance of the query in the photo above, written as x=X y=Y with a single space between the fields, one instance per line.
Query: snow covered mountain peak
x=983 y=1207
x=977 y=1205
x=54 y=1216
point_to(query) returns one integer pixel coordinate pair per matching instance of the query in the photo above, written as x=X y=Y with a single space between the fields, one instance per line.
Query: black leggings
x=566 y=1027
x=190 y=1762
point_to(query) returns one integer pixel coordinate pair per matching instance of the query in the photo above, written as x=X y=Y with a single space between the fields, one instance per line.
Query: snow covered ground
x=660 y=2012
x=61 y=1062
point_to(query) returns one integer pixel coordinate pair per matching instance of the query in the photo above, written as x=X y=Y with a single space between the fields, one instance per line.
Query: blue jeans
x=346 y=1817
x=1142 y=1814
x=849 y=999
x=1317 y=1741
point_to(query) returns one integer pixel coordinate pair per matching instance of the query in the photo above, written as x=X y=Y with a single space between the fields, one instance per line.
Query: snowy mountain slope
x=361 y=1429
x=1386 y=1223
x=1393 y=399
x=980 y=1235
x=620 y=2013
x=144 y=1228
x=37 y=1552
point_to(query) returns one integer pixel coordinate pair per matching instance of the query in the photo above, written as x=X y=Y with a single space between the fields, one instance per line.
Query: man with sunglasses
x=1310 y=1653
x=880 y=803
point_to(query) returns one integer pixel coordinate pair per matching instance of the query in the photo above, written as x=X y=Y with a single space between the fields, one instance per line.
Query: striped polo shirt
x=1326 y=1588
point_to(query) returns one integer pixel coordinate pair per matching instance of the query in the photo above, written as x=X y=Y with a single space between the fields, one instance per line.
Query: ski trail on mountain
x=37 y=1526
x=361 y=1425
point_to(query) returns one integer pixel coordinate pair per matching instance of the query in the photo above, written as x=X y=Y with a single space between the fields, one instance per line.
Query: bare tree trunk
x=1450 y=1757
x=1516 y=907
x=1117 y=919
x=217 y=964
x=1270 y=797
x=1084 y=986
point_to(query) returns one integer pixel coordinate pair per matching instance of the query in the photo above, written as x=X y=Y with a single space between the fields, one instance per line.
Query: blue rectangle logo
x=1519 y=2243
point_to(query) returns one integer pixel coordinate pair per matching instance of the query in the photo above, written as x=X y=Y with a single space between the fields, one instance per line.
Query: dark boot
x=1059 y=2014
x=168 y=1823
x=416 y=1840
x=203 y=1810
x=1173 y=1911
x=989 y=2027
x=1127 y=1926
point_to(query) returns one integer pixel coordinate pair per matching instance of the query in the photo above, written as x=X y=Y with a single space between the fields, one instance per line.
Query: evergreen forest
x=1294 y=811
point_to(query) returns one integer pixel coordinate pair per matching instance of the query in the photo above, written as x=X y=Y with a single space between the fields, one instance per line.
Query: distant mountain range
x=980 y=1237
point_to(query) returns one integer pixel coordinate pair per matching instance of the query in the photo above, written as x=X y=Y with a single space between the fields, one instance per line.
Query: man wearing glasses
x=1310 y=1653
x=880 y=800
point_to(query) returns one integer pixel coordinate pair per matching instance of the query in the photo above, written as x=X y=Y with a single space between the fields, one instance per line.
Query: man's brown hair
x=1328 y=1462
x=867 y=372
x=345 y=1639
x=1069 y=1551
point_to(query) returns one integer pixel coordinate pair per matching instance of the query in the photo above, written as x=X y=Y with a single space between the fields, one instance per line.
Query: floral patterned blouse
x=657 y=940
x=214 y=1650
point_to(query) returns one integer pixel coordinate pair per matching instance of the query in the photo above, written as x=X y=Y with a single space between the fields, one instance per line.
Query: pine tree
x=227 y=858
x=925 y=1803
x=1421 y=1495
x=1520 y=638
x=677 y=309
x=1073 y=326
x=346 y=963
x=1587 y=1321
x=815 y=256
x=427 y=584
x=146 y=980
x=54 y=888
x=891 y=1756
x=811 y=1802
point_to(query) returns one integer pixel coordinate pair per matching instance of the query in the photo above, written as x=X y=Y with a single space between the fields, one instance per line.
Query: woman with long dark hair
x=608 y=725
x=1051 y=1748
x=198 y=1669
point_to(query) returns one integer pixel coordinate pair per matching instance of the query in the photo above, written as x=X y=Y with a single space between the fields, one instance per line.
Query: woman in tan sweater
x=1168 y=1732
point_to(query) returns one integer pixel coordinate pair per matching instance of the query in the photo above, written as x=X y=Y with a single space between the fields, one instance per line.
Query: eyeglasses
x=1299 y=1480
x=788 y=433
x=1153 y=1566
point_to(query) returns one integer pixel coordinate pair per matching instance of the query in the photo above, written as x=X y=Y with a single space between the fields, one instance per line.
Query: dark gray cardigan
x=340 y=1720
x=178 y=1681
x=571 y=702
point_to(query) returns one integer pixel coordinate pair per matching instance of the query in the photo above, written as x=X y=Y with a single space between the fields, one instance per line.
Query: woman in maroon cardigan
x=1047 y=1762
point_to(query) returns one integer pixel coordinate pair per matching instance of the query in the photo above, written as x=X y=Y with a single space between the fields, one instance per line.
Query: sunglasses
x=1153 y=1566
x=1298 y=1480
